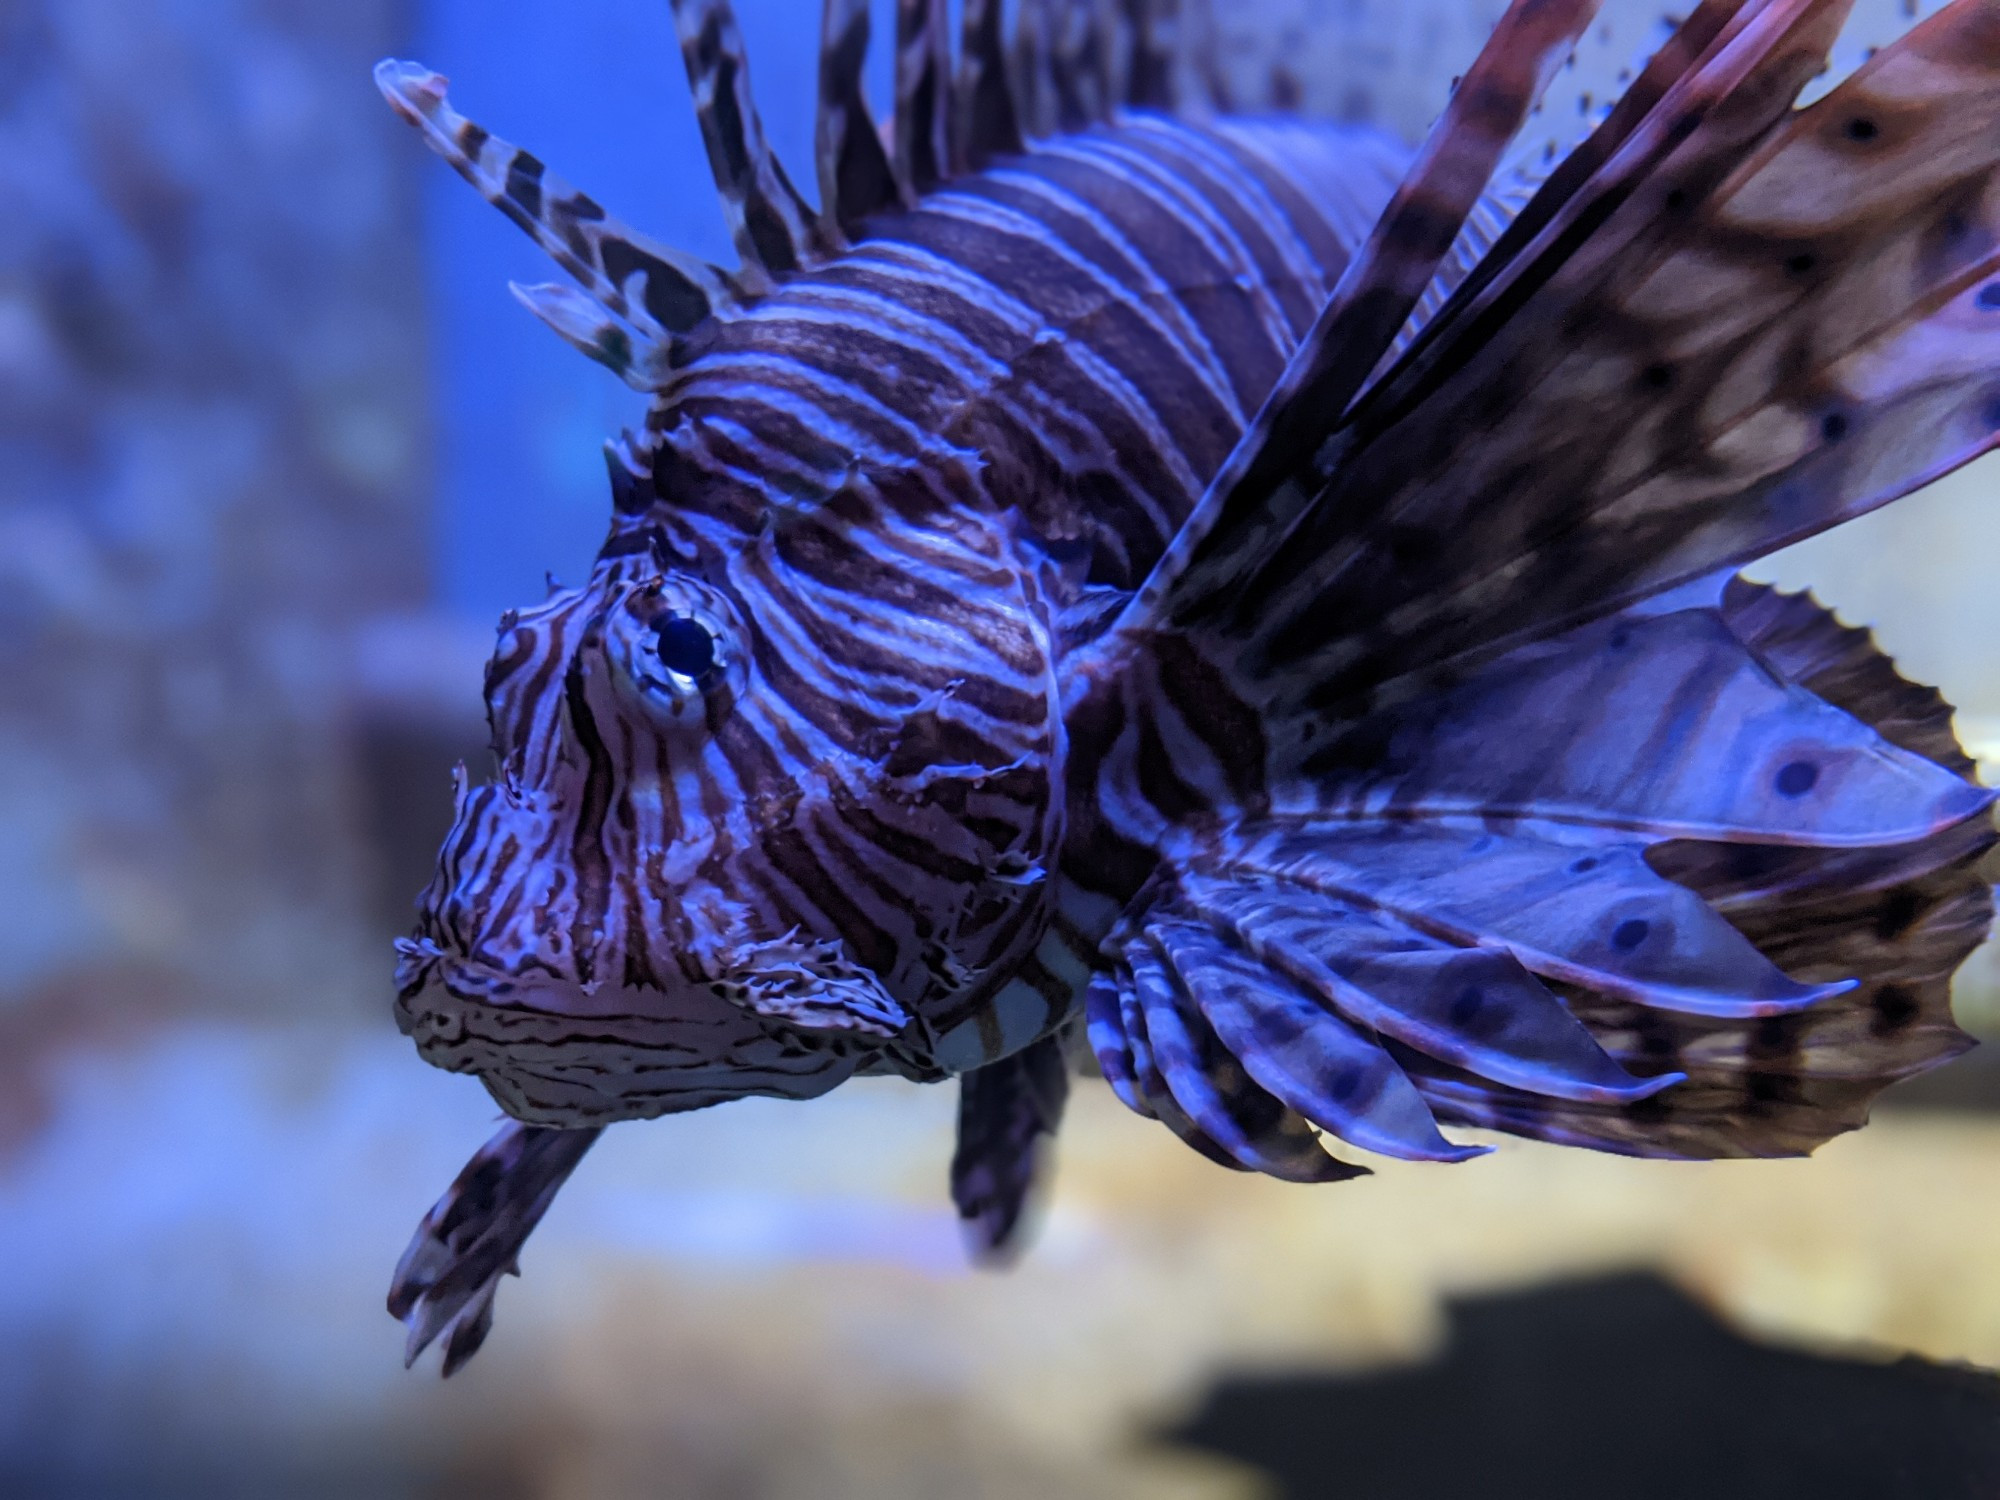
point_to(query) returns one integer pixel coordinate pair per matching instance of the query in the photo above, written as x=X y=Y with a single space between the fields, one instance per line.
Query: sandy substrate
x=770 y=1299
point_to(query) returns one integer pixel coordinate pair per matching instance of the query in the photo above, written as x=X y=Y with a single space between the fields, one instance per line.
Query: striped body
x=900 y=485
x=1235 y=595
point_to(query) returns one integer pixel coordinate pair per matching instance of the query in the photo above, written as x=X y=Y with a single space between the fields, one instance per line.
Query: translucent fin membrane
x=1704 y=973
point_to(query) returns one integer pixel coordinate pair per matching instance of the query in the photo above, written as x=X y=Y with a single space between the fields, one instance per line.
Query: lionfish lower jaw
x=439 y=981
x=800 y=985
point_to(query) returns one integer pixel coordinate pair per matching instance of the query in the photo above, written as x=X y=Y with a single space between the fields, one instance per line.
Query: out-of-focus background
x=275 y=448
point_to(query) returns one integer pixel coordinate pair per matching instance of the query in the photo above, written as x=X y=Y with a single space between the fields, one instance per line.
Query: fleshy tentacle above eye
x=638 y=296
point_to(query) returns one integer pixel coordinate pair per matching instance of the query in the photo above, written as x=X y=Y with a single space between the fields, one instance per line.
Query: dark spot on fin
x=524 y=183
x=1895 y=1008
x=1795 y=778
x=1899 y=908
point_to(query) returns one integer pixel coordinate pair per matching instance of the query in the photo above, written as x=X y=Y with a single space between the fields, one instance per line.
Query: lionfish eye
x=684 y=646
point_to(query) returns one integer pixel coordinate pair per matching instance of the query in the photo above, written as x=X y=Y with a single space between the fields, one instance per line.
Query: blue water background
x=596 y=89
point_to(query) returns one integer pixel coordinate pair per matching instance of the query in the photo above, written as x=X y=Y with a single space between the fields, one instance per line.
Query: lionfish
x=1217 y=598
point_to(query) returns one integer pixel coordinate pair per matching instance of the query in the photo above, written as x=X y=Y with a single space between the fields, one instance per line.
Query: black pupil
x=685 y=646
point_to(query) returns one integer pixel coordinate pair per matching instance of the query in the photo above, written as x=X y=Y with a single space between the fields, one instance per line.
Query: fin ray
x=1773 y=358
x=1007 y=1112
x=595 y=332
x=921 y=122
x=1475 y=1008
x=1671 y=728
x=651 y=291
x=1149 y=27
x=1110 y=1042
x=1306 y=1057
x=1259 y=485
x=446 y=1280
x=1254 y=1129
x=774 y=228
x=1592 y=915
x=986 y=124
x=856 y=177
x=1079 y=64
x=1765 y=994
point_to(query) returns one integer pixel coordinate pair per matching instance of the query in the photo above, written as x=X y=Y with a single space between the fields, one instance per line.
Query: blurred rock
x=213 y=434
x=771 y=1300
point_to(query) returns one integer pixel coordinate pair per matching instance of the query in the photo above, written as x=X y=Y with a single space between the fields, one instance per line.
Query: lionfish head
x=734 y=844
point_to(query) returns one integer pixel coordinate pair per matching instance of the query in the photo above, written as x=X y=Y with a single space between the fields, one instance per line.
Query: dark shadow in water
x=1620 y=1388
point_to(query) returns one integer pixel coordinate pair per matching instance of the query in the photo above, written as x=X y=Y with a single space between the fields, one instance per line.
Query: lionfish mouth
x=553 y=1051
